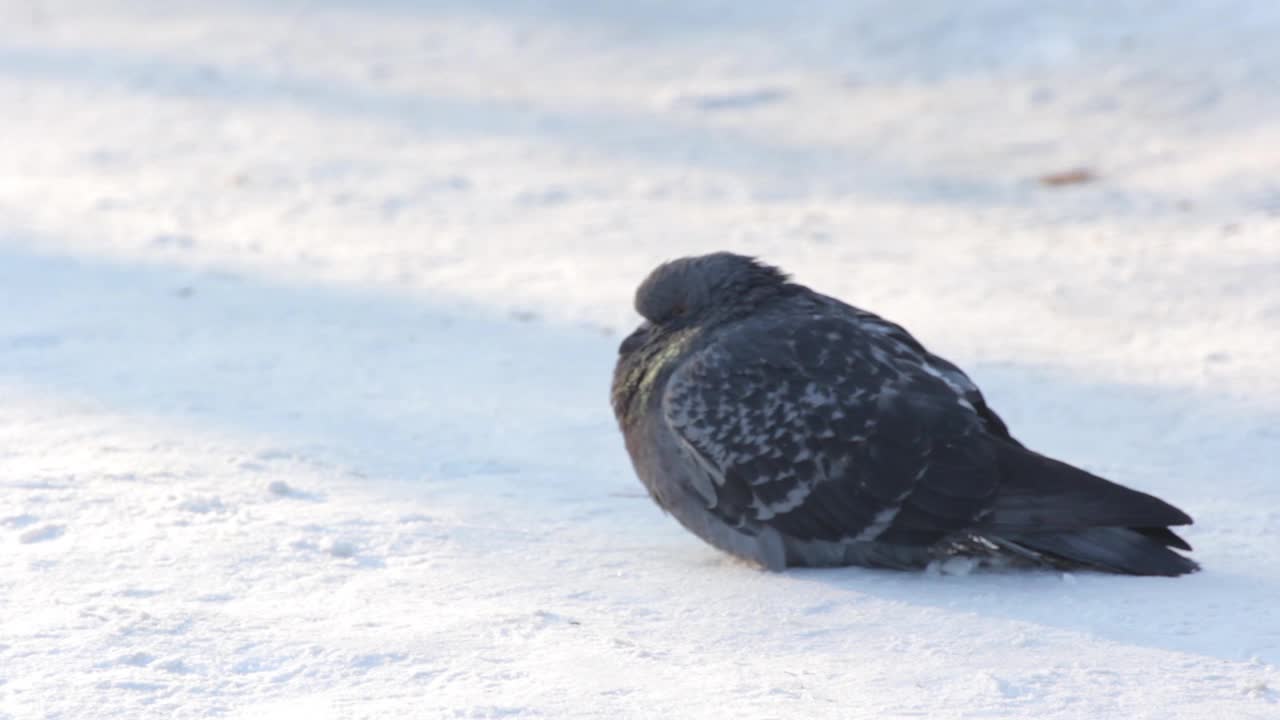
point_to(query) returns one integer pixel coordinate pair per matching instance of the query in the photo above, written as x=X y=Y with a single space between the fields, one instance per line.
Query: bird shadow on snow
x=416 y=388
x=1225 y=614
x=1209 y=455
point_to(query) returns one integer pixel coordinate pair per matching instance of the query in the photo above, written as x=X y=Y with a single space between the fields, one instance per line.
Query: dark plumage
x=790 y=429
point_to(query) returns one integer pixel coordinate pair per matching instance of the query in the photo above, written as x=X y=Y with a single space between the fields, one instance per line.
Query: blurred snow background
x=308 y=310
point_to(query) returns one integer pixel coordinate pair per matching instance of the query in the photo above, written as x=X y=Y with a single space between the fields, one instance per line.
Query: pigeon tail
x=1073 y=518
x=1111 y=549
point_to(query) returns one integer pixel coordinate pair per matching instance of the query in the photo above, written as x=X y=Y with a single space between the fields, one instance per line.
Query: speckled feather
x=789 y=428
x=793 y=414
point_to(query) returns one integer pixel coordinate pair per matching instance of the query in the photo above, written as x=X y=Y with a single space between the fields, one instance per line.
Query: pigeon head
x=679 y=299
x=692 y=290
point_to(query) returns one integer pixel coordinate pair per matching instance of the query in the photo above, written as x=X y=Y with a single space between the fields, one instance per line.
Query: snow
x=308 y=311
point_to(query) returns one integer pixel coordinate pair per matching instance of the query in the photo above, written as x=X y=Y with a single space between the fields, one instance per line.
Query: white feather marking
x=958 y=387
x=879 y=524
x=795 y=496
x=817 y=396
x=920 y=473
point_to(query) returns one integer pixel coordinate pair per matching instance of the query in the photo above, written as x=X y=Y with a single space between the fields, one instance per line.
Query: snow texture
x=308 y=312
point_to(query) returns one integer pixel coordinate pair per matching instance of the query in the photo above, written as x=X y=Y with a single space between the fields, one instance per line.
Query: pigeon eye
x=677 y=311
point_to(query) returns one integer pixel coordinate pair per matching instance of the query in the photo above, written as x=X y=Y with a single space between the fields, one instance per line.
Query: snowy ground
x=308 y=309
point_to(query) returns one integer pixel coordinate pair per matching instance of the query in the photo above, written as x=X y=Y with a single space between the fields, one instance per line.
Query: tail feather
x=1073 y=518
x=1113 y=549
x=1164 y=536
x=1042 y=494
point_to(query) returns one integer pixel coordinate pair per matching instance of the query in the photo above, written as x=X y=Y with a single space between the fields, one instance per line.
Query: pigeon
x=790 y=429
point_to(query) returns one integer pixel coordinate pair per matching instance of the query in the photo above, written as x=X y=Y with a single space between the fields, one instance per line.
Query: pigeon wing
x=939 y=367
x=824 y=427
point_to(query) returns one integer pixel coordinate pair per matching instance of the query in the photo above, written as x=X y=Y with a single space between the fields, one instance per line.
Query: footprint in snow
x=17 y=522
x=176 y=666
x=203 y=505
x=281 y=488
x=343 y=549
x=136 y=659
x=348 y=550
x=739 y=100
x=41 y=534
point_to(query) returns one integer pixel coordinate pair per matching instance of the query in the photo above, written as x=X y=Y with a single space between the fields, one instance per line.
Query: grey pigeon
x=787 y=428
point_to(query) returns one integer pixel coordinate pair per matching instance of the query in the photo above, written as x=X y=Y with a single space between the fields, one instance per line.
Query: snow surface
x=308 y=310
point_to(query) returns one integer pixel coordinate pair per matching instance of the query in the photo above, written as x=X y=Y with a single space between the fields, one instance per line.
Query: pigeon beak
x=635 y=339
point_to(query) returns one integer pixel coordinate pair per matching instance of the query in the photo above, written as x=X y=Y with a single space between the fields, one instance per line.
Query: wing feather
x=835 y=426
